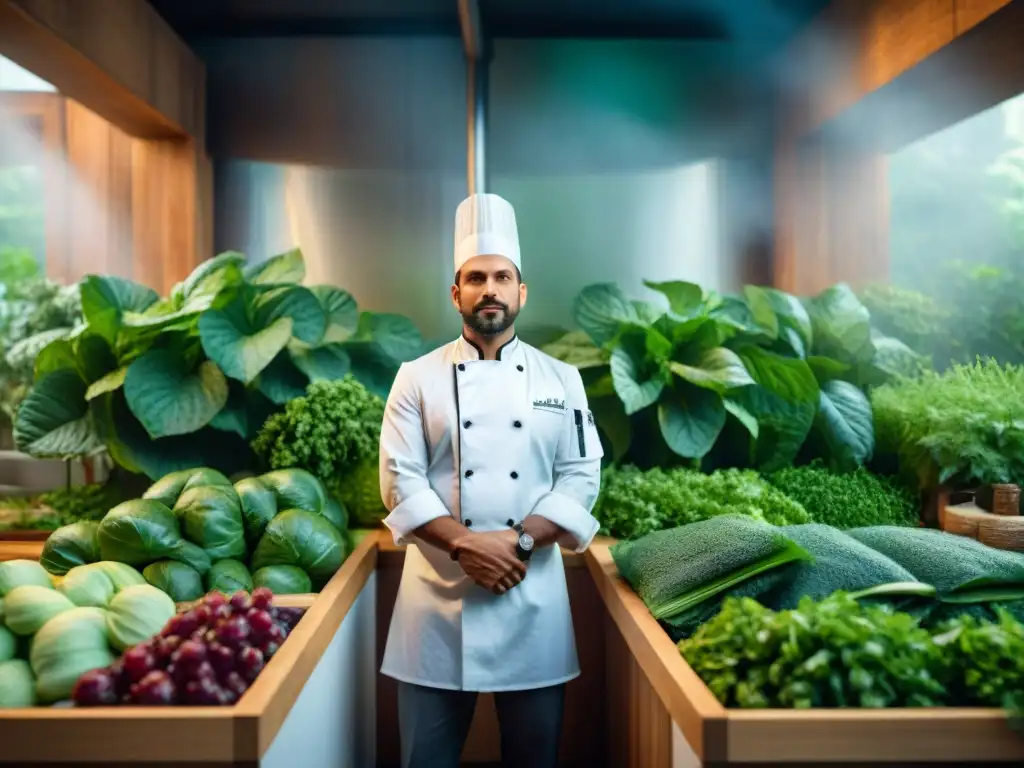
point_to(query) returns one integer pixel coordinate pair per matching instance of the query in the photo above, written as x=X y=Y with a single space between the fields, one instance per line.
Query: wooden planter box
x=312 y=705
x=665 y=717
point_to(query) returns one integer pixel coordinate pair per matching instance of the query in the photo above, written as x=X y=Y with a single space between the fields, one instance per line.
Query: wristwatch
x=524 y=546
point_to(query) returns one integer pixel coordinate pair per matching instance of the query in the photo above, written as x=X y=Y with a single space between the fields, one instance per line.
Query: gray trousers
x=434 y=724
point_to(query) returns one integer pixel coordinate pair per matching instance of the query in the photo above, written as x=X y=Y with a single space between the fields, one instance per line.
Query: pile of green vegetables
x=333 y=432
x=840 y=652
x=632 y=503
x=194 y=531
x=55 y=629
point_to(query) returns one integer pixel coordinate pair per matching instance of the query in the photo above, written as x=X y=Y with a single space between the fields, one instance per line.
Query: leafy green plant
x=186 y=381
x=848 y=500
x=832 y=653
x=963 y=427
x=328 y=431
x=781 y=376
x=633 y=503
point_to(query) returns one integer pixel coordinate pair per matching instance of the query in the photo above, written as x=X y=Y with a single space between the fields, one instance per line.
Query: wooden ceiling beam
x=119 y=57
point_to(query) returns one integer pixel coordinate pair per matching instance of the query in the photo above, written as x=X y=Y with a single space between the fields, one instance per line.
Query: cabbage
x=303 y=539
x=359 y=491
x=87 y=586
x=29 y=607
x=17 y=686
x=168 y=488
x=335 y=512
x=296 y=489
x=8 y=644
x=68 y=646
x=139 y=531
x=259 y=506
x=180 y=581
x=120 y=574
x=211 y=517
x=71 y=545
x=17 y=573
x=229 y=576
x=193 y=555
x=283 y=580
x=136 y=614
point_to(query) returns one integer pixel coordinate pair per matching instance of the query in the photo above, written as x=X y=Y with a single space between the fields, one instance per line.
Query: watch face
x=526 y=541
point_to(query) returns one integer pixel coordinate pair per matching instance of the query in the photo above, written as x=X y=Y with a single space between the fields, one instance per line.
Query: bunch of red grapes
x=206 y=656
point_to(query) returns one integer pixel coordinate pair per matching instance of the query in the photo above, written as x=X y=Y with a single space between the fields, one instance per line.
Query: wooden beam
x=118 y=57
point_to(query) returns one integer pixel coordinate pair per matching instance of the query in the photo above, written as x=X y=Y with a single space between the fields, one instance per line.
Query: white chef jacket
x=488 y=442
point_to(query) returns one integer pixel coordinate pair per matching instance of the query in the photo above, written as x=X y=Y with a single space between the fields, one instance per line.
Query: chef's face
x=489 y=294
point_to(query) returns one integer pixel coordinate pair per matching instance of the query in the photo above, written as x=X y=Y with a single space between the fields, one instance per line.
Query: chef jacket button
x=519 y=368
x=469 y=523
x=469 y=473
x=467 y=423
x=517 y=424
x=515 y=475
x=462 y=366
x=510 y=522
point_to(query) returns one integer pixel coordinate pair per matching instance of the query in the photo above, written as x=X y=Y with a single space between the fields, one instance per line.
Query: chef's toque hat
x=485 y=225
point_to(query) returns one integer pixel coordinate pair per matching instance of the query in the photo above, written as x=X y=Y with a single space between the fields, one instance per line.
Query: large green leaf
x=106 y=299
x=285 y=268
x=718 y=369
x=684 y=299
x=784 y=402
x=327 y=362
x=132 y=448
x=244 y=413
x=109 y=383
x=601 y=309
x=296 y=303
x=53 y=421
x=657 y=345
x=241 y=348
x=691 y=419
x=214 y=275
x=845 y=422
x=372 y=366
x=168 y=316
x=341 y=311
x=576 y=348
x=168 y=398
x=743 y=416
x=94 y=357
x=282 y=380
x=55 y=355
x=761 y=310
x=394 y=334
x=842 y=325
x=634 y=389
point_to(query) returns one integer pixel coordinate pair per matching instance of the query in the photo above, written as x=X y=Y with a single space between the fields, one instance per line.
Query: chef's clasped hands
x=489 y=559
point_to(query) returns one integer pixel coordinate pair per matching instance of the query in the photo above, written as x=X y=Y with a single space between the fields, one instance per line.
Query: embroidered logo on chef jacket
x=590 y=418
x=550 y=403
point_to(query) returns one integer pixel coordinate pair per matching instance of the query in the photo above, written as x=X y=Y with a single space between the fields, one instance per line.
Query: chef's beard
x=491 y=325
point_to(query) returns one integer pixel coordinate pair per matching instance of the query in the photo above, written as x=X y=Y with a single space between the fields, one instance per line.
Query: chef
x=489 y=460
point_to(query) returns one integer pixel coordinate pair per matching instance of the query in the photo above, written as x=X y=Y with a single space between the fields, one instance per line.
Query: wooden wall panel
x=99 y=192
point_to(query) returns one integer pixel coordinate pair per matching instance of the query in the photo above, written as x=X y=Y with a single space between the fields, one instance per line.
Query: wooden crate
x=215 y=737
x=663 y=715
